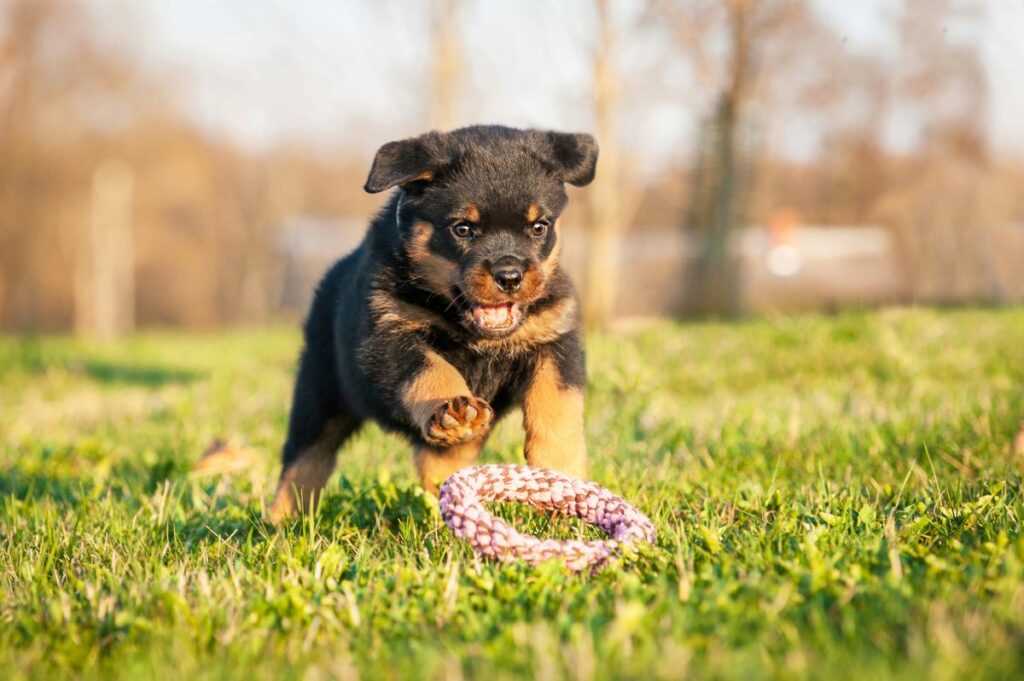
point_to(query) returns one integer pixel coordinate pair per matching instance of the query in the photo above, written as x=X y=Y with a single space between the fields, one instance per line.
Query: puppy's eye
x=461 y=230
x=539 y=229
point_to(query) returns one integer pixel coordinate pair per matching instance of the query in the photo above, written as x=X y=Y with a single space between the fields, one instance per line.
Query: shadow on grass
x=63 y=490
x=151 y=376
x=240 y=527
x=374 y=505
x=368 y=508
x=125 y=481
x=32 y=356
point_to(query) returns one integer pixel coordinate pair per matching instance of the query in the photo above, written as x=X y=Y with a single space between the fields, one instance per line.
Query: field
x=836 y=497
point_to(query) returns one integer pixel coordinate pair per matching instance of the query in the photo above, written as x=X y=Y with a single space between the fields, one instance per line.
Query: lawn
x=835 y=497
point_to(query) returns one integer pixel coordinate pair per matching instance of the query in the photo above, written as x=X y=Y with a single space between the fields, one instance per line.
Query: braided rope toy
x=463 y=494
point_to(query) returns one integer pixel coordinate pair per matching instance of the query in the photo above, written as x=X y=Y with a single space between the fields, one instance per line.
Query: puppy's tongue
x=493 y=316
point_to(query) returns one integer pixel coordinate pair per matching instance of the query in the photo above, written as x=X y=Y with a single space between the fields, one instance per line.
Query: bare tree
x=941 y=77
x=745 y=51
x=446 y=64
x=50 y=71
x=604 y=196
x=717 y=209
x=105 y=276
x=949 y=199
x=68 y=252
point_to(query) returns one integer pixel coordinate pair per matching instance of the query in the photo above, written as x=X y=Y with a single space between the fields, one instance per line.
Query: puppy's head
x=477 y=214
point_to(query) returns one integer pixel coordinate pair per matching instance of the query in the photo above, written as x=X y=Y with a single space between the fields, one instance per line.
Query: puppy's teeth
x=448 y=421
x=494 y=317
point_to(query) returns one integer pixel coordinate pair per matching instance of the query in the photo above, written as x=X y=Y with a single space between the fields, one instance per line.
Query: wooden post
x=105 y=277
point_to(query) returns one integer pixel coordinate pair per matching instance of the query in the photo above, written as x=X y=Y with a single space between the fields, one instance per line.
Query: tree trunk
x=446 y=73
x=604 y=196
x=719 y=207
x=105 y=277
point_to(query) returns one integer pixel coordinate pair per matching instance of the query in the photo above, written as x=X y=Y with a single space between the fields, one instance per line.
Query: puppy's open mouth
x=496 y=319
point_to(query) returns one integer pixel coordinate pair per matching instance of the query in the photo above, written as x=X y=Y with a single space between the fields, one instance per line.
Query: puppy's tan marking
x=553 y=419
x=550 y=264
x=533 y=213
x=425 y=176
x=303 y=479
x=419 y=239
x=430 y=389
x=482 y=288
x=434 y=466
x=436 y=272
x=534 y=283
x=224 y=458
x=471 y=212
x=396 y=315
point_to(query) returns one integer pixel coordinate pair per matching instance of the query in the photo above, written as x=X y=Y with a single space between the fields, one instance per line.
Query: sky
x=329 y=72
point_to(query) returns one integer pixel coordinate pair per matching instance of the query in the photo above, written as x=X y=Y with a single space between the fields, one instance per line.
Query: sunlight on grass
x=836 y=497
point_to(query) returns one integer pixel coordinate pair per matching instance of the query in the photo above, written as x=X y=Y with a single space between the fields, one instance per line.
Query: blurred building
x=827 y=267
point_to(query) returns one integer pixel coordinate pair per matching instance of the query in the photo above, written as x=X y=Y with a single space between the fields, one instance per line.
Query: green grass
x=835 y=498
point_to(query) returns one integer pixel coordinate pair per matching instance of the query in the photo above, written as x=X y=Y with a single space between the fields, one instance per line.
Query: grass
x=836 y=497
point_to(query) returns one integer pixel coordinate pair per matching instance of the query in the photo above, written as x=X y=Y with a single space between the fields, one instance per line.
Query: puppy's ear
x=408 y=160
x=574 y=156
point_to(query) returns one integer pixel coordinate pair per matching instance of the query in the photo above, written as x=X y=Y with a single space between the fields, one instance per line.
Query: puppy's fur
x=453 y=310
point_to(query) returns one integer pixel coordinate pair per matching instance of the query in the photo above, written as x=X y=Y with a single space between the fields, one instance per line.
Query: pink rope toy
x=463 y=494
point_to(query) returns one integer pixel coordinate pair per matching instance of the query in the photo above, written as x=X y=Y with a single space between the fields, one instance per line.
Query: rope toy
x=463 y=494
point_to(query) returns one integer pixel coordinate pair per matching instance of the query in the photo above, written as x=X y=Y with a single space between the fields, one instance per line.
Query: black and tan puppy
x=453 y=310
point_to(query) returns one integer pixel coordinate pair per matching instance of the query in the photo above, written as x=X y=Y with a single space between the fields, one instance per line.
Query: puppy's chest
x=494 y=378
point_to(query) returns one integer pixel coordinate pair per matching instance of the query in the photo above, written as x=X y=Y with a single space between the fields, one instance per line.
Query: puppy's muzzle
x=508 y=273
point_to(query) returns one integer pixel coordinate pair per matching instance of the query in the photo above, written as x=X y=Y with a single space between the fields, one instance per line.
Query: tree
x=446 y=64
x=746 y=52
x=51 y=70
x=604 y=195
x=950 y=195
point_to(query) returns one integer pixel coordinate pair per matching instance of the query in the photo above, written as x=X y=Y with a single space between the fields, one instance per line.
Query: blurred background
x=199 y=164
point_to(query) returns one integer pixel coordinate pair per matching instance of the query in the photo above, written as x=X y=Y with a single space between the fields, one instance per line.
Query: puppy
x=452 y=311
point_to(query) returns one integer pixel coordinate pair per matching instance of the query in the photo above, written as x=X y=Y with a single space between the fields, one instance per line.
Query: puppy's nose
x=508 y=274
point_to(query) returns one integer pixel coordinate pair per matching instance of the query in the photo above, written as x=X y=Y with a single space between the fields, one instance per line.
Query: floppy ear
x=404 y=161
x=574 y=156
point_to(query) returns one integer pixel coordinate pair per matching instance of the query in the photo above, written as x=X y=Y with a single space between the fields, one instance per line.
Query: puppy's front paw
x=458 y=420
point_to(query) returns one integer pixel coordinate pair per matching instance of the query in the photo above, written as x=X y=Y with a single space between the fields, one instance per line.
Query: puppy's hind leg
x=553 y=414
x=317 y=427
x=435 y=465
